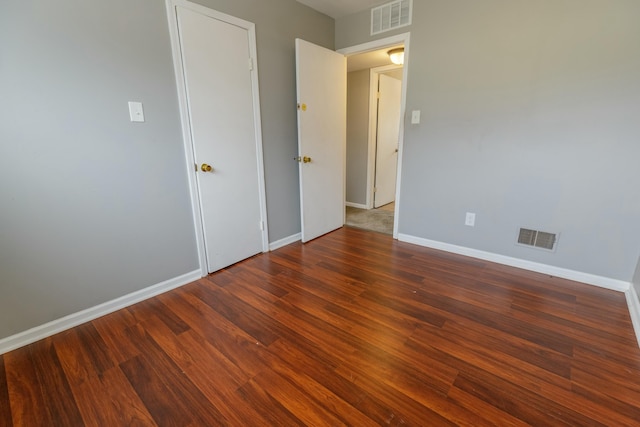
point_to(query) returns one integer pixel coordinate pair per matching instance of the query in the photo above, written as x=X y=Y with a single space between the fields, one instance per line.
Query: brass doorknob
x=206 y=168
x=306 y=159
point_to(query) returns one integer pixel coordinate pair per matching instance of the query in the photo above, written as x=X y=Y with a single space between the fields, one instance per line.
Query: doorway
x=374 y=124
x=315 y=77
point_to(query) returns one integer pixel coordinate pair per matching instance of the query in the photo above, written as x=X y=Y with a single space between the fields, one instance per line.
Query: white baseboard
x=43 y=331
x=284 y=242
x=356 y=205
x=578 y=276
x=634 y=310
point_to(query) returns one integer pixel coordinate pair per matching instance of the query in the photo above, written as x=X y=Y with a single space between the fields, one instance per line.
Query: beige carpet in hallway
x=380 y=220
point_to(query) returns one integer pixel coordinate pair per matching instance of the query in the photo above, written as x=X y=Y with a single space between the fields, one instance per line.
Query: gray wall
x=529 y=118
x=93 y=206
x=357 y=135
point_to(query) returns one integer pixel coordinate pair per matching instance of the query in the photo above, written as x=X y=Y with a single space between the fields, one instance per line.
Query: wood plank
x=488 y=412
x=83 y=354
x=110 y=400
x=165 y=407
x=112 y=329
x=220 y=388
x=269 y=408
x=5 y=407
x=231 y=341
x=169 y=395
x=312 y=403
x=361 y=399
x=403 y=409
x=241 y=314
x=53 y=382
x=478 y=361
x=160 y=309
x=425 y=302
x=505 y=396
x=509 y=347
x=28 y=405
x=195 y=356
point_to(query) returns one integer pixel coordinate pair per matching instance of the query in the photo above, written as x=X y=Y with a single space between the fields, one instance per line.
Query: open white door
x=322 y=102
x=388 y=133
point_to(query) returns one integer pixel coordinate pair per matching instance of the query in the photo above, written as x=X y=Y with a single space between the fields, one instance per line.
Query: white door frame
x=375 y=45
x=186 y=122
x=374 y=75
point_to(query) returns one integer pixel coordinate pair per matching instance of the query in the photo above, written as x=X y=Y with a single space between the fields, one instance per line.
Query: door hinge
x=375 y=189
x=261 y=225
x=250 y=64
x=377 y=95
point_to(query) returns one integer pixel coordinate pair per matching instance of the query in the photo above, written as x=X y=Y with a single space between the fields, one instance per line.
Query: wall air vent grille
x=391 y=15
x=538 y=239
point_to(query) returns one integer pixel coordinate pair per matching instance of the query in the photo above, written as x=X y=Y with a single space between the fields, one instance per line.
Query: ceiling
x=376 y=58
x=339 y=8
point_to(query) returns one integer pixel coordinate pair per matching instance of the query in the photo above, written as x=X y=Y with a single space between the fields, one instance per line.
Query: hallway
x=380 y=220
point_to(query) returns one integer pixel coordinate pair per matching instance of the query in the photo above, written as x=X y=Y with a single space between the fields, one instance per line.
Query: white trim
x=186 y=121
x=286 y=241
x=374 y=45
x=356 y=205
x=186 y=135
x=372 y=135
x=634 y=310
x=578 y=276
x=229 y=19
x=55 y=326
x=404 y=39
x=258 y=130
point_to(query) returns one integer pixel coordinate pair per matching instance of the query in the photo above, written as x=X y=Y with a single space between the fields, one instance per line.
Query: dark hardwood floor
x=353 y=329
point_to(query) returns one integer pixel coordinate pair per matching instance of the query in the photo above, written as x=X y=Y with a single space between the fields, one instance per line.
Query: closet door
x=217 y=67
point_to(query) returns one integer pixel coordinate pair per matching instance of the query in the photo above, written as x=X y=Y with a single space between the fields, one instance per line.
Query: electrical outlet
x=470 y=219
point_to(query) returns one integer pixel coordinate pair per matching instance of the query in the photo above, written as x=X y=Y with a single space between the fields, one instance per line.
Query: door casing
x=186 y=128
x=404 y=39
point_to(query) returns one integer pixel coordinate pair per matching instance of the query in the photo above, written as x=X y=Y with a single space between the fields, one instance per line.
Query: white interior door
x=322 y=110
x=219 y=88
x=388 y=132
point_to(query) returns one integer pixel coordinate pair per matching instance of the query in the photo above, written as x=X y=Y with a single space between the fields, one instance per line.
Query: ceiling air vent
x=538 y=239
x=392 y=15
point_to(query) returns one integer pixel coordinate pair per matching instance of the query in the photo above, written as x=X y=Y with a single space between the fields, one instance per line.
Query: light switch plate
x=470 y=219
x=136 y=113
x=415 y=117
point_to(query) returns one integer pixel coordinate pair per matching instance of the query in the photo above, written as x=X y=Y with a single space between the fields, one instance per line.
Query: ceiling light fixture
x=397 y=55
